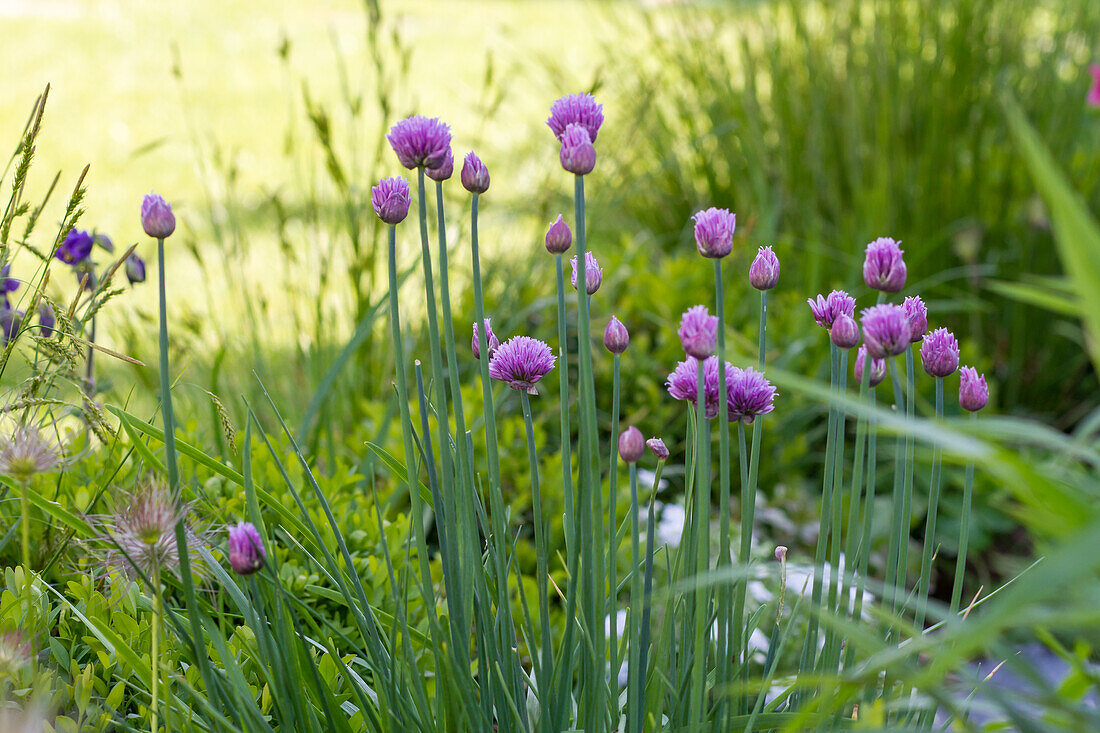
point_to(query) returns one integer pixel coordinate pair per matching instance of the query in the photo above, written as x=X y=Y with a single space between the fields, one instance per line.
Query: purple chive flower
x=580 y=109
x=827 y=308
x=135 y=269
x=475 y=176
x=885 y=330
x=683 y=384
x=593 y=273
x=658 y=447
x=577 y=154
x=748 y=394
x=46 y=318
x=445 y=170
x=559 y=237
x=699 y=332
x=615 y=336
x=390 y=199
x=845 y=332
x=246 y=549
x=918 y=317
x=78 y=245
x=878 y=368
x=883 y=266
x=973 y=392
x=10 y=322
x=631 y=445
x=157 y=218
x=491 y=340
x=764 y=270
x=940 y=353
x=1093 y=97
x=714 y=232
x=521 y=361
x=420 y=142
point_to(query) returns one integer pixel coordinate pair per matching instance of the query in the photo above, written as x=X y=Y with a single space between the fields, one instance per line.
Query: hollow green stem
x=891 y=587
x=25 y=526
x=832 y=641
x=612 y=534
x=154 y=662
x=639 y=700
x=700 y=517
x=546 y=662
x=964 y=533
x=725 y=599
x=905 y=518
x=930 y=525
x=634 y=673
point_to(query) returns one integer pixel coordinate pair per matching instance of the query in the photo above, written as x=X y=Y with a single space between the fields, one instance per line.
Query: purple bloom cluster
x=883 y=266
x=940 y=353
x=576 y=109
x=421 y=142
x=577 y=154
x=917 y=315
x=764 y=270
x=521 y=362
x=475 y=176
x=826 y=309
x=699 y=332
x=683 y=383
x=593 y=273
x=445 y=170
x=714 y=230
x=559 y=237
x=391 y=200
x=878 y=368
x=246 y=550
x=973 y=392
x=157 y=218
x=885 y=330
x=491 y=340
x=748 y=394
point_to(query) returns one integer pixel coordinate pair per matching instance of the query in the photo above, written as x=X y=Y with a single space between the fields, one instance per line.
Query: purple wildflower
x=885 y=330
x=973 y=392
x=521 y=362
x=491 y=340
x=7 y=284
x=559 y=237
x=631 y=445
x=699 y=332
x=764 y=270
x=658 y=447
x=475 y=176
x=748 y=394
x=593 y=273
x=845 y=332
x=883 y=266
x=26 y=453
x=917 y=315
x=878 y=368
x=940 y=353
x=577 y=154
x=157 y=218
x=78 y=245
x=420 y=142
x=10 y=322
x=683 y=384
x=445 y=170
x=246 y=549
x=827 y=308
x=46 y=318
x=390 y=199
x=580 y=109
x=714 y=232
x=135 y=269
x=1093 y=97
x=615 y=337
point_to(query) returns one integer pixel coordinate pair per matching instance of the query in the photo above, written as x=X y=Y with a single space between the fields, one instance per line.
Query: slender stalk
x=832 y=643
x=639 y=701
x=859 y=460
x=725 y=599
x=546 y=663
x=25 y=526
x=700 y=516
x=964 y=533
x=763 y=327
x=613 y=535
x=899 y=479
x=905 y=518
x=634 y=672
x=154 y=652
x=930 y=525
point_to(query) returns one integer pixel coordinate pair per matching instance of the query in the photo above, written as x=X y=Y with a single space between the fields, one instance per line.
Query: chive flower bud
x=420 y=142
x=714 y=232
x=521 y=361
x=885 y=330
x=475 y=176
x=878 y=368
x=973 y=392
x=844 y=332
x=157 y=218
x=699 y=332
x=580 y=109
x=559 y=237
x=615 y=336
x=780 y=553
x=658 y=447
x=917 y=314
x=390 y=199
x=445 y=170
x=631 y=445
x=246 y=549
x=135 y=269
x=593 y=273
x=940 y=353
x=491 y=340
x=883 y=266
x=764 y=270
x=577 y=154
x=748 y=394
x=826 y=309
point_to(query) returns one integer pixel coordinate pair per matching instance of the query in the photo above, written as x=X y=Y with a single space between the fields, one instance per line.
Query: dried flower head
x=683 y=383
x=699 y=332
x=475 y=176
x=391 y=200
x=579 y=109
x=26 y=453
x=559 y=237
x=577 y=154
x=748 y=394
x=658 y=447
x=631 y=445
x=491 y=340
x=883 y=265
x=973 y=392
x=845 y=332
x=521 y=362
x=878 y=368
x=246 y=550
x=445 y=170
x=77 y=245
x=157 y=218
x=917 y=314
x=714 y=230
x=764 y=270
x=940 y=353
x=593 y=273
x=885 y=330
x=420 y=142
x=826 y=309
x=615 y=337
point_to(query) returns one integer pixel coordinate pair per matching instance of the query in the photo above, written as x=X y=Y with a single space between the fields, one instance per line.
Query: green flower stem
x=763 y=327
x=634 y=672
x=699 y=520
x=859 y=460
x=863 y=550
x=639 y=701
x=154 y=655
x=546 y=661
x=893 y=583
x=930 y=525
x=25 y=526
x=905 y=518
x=964 y=533
x=832 y=640
x=612 y=533
x=725 y=599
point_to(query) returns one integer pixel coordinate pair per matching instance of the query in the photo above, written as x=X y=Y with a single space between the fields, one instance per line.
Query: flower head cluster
x=577 y=154
x=764 y=270
x=683 y=383
x=246 y=549
x=714 y=230
x=883 y=266
x=658 y=447
x=576 y=109
x=521 y=362
x=878 y=368
x=845 y=332
x=826 y=308
x=475 y=176
x=391 y=200
x=421 y=142
x=615 y=337
x=748 y=394
x=973 y=392
x=26 y=452
x=699 y=332
x=631 y=445
x=445 y=170
x=141 y=534
x=559 y=237
x=491 y=340
x=940 y=353
x=593 y=273
x=885 y=330
x=77 y=245
x=157 y=218
x=917 y=314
